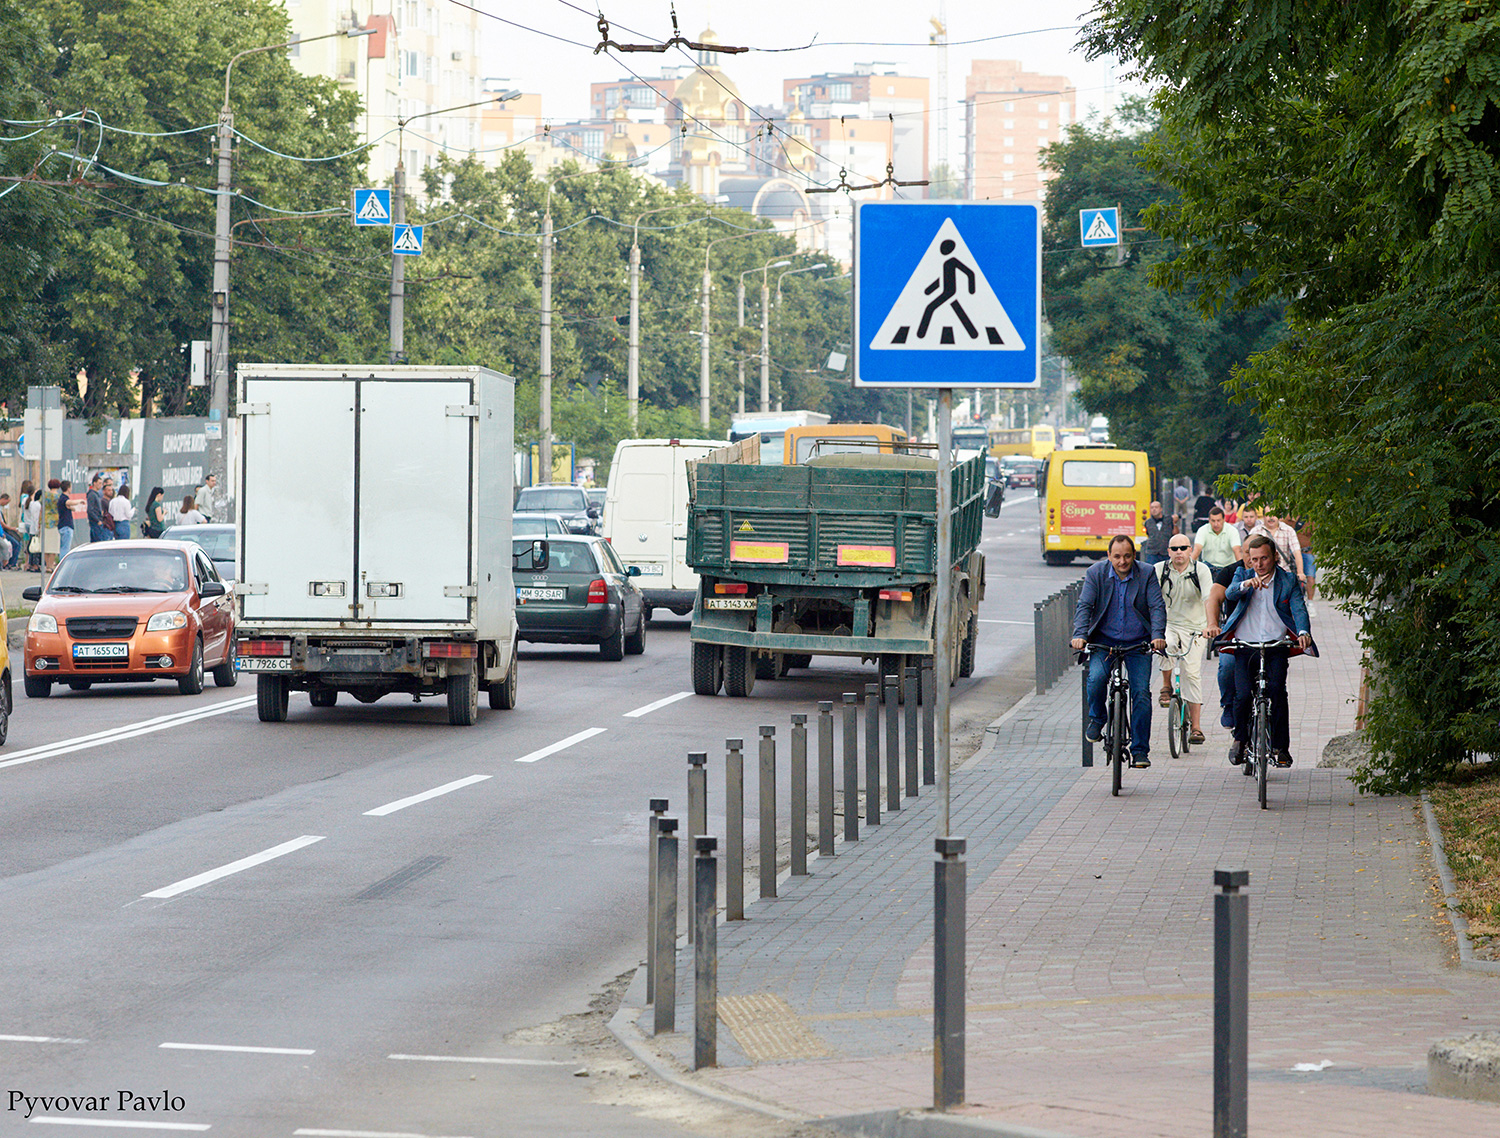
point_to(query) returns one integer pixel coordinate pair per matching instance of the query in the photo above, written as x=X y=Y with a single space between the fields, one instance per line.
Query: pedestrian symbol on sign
x=407 y=239
x=947 y=305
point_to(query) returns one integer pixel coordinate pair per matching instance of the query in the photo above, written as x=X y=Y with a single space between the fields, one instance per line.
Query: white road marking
x=37 y=1039
x=561 y=746
x=127 y=731
x=235 y=1047
x=233 y=867
x=365 y=1134
x=484 y=1059
x=437 y=791
x=987 y=620
x=650 y=707
x=59 y=1120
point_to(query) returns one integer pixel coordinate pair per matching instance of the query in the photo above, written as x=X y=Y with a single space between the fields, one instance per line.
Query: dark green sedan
x=576 y=591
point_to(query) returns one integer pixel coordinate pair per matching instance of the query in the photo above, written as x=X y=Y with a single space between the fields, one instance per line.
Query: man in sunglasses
x=1185 y=585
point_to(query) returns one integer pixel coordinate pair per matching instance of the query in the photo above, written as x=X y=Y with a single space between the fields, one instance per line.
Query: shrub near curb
x=1467 y=805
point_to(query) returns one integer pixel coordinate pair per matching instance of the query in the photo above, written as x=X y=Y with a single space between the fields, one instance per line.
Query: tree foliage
x=1145 y=357
x=1342 y=155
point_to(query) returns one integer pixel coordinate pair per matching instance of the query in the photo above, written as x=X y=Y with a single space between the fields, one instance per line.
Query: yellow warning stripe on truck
x=763 y=552
x=878 y=556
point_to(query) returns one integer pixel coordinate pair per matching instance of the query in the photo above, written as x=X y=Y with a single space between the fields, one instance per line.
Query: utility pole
x=218 y=390
x=398 y=262
x=633 y=372
x=765 y=340
x=703 y=357
x=740 y=365
x=544 y=419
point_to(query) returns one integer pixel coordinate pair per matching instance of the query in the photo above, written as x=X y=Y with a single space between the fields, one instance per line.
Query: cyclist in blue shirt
x=1121 y=604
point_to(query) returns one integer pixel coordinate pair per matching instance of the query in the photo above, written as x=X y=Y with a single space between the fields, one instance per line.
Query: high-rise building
x=871 y=93
x=1010 y=116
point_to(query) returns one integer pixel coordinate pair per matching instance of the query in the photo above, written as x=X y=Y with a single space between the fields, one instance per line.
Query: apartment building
x=1010 y=115
x=846 y=109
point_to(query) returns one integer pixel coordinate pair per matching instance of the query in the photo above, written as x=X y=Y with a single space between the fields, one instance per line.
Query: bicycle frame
x=1258 y=746
x=1117 y=707
x=1177 y=713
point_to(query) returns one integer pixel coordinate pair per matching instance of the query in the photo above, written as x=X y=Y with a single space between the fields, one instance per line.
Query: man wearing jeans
x=100 y=528
x=1121 y=604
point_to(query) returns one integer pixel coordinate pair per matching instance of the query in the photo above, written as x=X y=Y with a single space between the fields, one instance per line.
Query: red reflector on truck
x=765 y=552
x=265 y=648
x=880 y=556
x=738 y=588
x=449 y=649
x=895 y=594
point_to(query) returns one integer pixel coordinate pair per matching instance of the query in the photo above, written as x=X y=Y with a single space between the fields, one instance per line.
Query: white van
x=645 y=516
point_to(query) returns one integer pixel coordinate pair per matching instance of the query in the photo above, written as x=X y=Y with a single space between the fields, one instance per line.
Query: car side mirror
x=593 y=511
x=633 y=571
x=533 y=560
x=31 y=593
x=212 y=589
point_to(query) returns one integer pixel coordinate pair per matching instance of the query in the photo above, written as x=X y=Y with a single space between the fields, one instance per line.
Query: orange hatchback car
x=131 y=612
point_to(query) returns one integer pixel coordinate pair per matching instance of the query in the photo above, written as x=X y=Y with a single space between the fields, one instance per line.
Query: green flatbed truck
x=834 y=557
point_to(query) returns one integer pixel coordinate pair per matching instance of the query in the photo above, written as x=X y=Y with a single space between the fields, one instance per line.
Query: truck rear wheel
x=966 y=650
x=463 y=698
x=772 y=667
x=503 y=694
x=323 y=697
x=708 y=669
x=739 y=671
x=271 y=698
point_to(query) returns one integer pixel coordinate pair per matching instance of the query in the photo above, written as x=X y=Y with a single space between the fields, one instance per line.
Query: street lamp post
x=765 y=332
x=703 y=371
x=219 y=306
x=633 y=370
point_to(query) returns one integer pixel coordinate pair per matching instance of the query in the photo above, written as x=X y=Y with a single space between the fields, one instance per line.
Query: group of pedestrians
x=1219 y=586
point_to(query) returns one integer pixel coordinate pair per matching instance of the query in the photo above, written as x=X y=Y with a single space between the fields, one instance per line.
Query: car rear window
x=218 y=545
x=563 y=556
x=121 y=571
x=546 y=500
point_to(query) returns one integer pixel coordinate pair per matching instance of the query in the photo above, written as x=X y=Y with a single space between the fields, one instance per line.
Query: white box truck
x=645 y=516
x=374 y=535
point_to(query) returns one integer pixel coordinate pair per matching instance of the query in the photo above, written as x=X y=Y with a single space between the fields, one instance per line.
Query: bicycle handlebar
x=1258 y=644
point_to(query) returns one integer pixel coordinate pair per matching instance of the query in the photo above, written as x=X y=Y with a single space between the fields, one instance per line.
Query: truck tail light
x=265 y=648
x=449 y=650
x=598 y=592
x=895 y=594
x=737 y=588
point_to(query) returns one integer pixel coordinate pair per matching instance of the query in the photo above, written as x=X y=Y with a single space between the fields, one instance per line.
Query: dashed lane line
x=237 y=1048
x=435 y=792
x=650 y=707
x=233 y=867
x=561 y=745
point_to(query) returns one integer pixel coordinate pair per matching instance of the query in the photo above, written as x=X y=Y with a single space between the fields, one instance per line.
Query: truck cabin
x=804 y=443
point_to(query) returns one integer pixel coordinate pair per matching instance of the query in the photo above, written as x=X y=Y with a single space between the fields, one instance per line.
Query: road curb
x=1460 y=923
x=928 y=1124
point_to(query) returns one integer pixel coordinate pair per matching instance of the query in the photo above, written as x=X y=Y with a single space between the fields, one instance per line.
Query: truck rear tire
x=708 y=669
x=272 y=695
x=739 y=671
x=966 y=650
x=503 y=694
x=772 y=667
x=323 y=697
x=463 y=698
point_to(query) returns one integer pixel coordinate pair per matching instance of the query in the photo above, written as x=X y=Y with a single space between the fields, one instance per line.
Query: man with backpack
x=1184 y=588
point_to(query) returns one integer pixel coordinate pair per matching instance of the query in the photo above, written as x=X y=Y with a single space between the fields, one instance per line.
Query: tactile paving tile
x=767 y=1029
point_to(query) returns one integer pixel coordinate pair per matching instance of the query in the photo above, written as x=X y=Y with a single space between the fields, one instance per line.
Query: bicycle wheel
x=1184 y=728
x=1117 y=730
x=1176 y=742
x=1262 y=747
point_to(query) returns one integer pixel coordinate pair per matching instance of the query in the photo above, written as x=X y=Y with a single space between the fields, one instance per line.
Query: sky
x=842 y=33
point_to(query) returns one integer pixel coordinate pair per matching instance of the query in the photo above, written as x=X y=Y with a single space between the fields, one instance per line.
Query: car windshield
x=218 y=544
x=563 y=556
x=121 y=571
x=563 y=498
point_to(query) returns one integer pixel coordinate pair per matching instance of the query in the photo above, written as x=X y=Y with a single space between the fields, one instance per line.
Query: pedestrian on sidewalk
x=1158 y=529
x=10 y=519
x=64 y=519
x=1120 y=605
x=99 y=527
x=189 y=514
x=154 y=519
x=1184 y=588
x=121 y=513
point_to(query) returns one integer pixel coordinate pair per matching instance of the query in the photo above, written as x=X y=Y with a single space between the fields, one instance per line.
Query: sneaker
x=1282 y=759
x=1095 y=731
x=1139 y=762
x=1236 y=753
x=1226 y=720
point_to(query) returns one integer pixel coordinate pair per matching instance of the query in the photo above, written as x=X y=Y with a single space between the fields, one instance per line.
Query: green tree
x=1341 y=155
x=1147 y=358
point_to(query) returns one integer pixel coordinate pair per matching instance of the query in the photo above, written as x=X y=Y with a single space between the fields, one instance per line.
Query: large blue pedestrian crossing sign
x=947 y=294
x=372 y=207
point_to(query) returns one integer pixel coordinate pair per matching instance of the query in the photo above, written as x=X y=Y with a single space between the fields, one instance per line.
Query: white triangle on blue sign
x=407 y=240
x=373 y=210
x=947 y=305
x=1099 y=230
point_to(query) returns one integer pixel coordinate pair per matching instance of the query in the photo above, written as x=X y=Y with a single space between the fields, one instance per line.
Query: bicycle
x=1258 y=748
x=1179 y=724
x=1117 y=708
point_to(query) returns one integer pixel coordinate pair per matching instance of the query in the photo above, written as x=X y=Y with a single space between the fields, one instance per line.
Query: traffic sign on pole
x=947 y=294
x=1099 y=227
x=407 y=240
x=372 y=207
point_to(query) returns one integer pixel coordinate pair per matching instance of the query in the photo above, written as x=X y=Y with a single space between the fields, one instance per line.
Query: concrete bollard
x=1231 y=1003
x=892 y=744
x=768 y=811
x=697 y=811
x=929 y=727
x=734 y=830
x=949 y=916
x=913 y=682
x=658 y=808
x=799 y=796
x=825 y=778
x=705 y=954
x=665 y=1004
x=872 y=754
x=851 y=767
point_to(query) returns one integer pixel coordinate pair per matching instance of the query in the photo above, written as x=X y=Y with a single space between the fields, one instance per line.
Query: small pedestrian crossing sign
x=947 y=294
x=1099 y=227
x=372 y=207
x=407 y=239
x=947 y=305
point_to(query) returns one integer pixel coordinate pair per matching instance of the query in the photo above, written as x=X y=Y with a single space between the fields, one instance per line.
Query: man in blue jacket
x=1121 y=604
x=1267 y=605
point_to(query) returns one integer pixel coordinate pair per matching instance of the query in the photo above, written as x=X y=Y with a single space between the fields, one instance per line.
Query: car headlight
x=166 y=621
x=41 y=622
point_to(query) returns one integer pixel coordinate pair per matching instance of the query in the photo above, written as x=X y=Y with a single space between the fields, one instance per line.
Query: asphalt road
x=336 y=925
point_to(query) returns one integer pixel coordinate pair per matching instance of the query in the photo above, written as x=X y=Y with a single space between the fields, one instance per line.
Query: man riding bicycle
x=1121 y=605
x=1267 y=606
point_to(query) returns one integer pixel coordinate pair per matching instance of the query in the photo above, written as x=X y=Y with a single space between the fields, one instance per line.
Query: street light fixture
x=219 y=303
